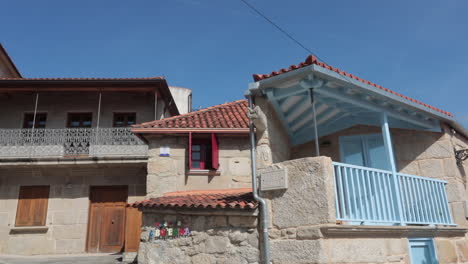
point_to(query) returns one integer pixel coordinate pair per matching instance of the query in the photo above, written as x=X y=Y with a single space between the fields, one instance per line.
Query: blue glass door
x=365 y=150
x=422 y=251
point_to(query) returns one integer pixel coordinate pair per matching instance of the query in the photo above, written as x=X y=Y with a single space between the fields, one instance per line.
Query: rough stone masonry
x=217 y=236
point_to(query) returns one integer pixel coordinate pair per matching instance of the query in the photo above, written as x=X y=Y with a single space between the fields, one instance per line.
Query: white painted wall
x=183 y=98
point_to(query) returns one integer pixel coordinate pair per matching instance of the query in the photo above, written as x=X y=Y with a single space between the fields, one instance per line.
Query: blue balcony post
x=388 y=146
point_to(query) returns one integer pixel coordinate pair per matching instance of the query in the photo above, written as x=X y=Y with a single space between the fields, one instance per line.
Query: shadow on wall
x=417 y=152
x=73 y=181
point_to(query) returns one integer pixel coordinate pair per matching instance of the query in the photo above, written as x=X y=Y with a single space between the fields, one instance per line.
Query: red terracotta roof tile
x=313 y=60
x=228 y=115
x=215 y=199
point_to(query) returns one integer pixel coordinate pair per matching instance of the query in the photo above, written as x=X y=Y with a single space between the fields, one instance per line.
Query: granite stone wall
x=272 y=143
x=67 y=213
x=422 y=153
x=217 y=237
x=169 y=174
x=303 y=227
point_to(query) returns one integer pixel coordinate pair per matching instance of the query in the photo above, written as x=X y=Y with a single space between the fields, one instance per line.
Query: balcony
x=371 y=196
x=70 y=142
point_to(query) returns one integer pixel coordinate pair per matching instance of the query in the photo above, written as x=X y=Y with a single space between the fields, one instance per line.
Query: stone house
x=199 y=173
x=385 y=172
x=348 y=172
x=69 y=163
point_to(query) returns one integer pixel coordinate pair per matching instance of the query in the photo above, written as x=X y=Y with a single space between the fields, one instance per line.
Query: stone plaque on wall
x=274 y=179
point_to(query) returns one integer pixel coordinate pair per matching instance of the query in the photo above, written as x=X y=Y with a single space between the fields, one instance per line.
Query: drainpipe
x=263 y=206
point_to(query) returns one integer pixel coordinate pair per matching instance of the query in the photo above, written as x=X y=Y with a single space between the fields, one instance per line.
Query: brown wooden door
x=132 y=229
x=106 y=226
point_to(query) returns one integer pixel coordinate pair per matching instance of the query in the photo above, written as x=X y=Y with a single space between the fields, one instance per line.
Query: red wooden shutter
x=214 y=152
x=190 y=150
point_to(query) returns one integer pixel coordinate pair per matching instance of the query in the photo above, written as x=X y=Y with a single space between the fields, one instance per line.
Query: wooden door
x=132 y=229
x=106 y=225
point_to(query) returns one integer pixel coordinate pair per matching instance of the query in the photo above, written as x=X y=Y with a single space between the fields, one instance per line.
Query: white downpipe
x=34 y=124
x=98 y=120
x=155 y=105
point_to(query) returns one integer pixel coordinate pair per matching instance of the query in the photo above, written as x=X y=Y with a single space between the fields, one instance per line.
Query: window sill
x=204 y=172
x=29 y=229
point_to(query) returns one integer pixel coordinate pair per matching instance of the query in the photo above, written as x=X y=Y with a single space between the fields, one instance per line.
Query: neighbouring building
x=350 y=172
x=69 y=163
x=7 y=67
x=183 y=98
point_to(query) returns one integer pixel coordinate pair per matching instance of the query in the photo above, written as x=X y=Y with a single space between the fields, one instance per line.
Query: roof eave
x=188 y=130
x=295 y=76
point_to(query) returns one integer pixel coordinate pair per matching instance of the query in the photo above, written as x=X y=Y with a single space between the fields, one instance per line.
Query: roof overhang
x=340 y=102
x=190 y=130
x=153 y=84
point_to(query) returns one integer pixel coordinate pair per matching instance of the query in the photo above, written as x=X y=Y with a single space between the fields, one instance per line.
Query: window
x=32 y=206
x=422 y=251
x=80 y=120
x=365 y=150
x=203 y=153
x=40 y=122
x=124 y=119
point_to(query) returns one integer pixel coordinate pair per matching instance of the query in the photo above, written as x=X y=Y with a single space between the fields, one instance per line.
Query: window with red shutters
x=203 y=153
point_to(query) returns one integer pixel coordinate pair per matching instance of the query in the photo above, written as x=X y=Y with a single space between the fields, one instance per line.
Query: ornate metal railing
x=16 y=143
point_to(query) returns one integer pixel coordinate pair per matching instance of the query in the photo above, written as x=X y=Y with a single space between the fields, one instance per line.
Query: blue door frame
x=422 y=251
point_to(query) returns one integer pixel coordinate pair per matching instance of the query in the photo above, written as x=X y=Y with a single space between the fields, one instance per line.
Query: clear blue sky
x=418 y=48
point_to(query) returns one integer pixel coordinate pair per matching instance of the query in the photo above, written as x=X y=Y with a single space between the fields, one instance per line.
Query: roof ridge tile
x=311 y=59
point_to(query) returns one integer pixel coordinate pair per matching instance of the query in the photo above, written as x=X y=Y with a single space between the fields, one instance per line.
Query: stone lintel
x=198 y=211
x=391 y=231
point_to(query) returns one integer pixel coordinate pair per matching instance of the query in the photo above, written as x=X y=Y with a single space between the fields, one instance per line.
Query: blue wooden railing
x=369 y=196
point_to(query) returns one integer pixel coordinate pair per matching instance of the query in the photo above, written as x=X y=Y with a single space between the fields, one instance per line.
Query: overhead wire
x=287 y=34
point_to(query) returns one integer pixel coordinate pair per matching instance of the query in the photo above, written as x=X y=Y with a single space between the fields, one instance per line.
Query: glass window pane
x=196 y=164
x=378 y=157
x=196 y=156
x=195 y=147
x=75 y=123
x=352 y=151
x=131 y=119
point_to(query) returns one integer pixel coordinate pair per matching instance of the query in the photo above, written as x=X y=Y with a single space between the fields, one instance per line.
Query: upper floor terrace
x=393 y=157
x=78 y=118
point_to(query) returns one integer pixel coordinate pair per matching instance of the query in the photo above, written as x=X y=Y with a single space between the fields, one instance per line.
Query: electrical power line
x=279 y=28
x=288 y=35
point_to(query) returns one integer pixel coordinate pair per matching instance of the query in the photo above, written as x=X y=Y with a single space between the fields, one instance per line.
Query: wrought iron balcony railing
x=66 y=142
